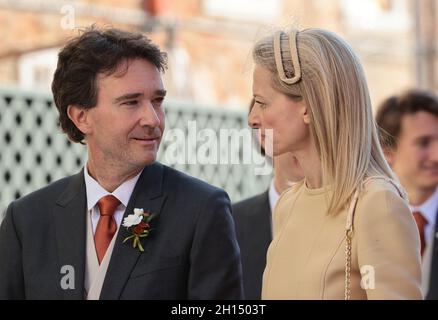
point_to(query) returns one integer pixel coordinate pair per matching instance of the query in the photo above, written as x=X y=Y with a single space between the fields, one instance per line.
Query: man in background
x=409 y=135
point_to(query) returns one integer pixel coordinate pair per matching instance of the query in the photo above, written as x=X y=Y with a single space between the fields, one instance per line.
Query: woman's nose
x=253 y=119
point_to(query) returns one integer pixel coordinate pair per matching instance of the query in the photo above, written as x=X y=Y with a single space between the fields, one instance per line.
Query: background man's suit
x=254 y=234
x=191 y=252
x=432 y=293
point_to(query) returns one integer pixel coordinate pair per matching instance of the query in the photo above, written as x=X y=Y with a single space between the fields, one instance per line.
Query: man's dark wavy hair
x=93 y=52
x=391 y=111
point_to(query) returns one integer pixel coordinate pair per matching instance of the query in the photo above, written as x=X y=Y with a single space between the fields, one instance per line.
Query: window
x=36 y=69
x=256 y=10
x=387 y=15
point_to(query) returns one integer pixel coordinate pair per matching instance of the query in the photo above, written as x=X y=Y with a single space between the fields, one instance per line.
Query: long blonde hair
x=334 y=88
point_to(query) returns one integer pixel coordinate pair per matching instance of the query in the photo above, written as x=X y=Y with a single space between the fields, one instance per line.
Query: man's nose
x=149 y=116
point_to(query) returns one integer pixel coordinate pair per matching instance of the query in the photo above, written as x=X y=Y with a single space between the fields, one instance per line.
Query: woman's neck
x=312 y=167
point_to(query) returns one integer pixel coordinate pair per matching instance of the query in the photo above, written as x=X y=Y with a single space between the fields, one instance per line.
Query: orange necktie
x=107 y=226
x=421 y=224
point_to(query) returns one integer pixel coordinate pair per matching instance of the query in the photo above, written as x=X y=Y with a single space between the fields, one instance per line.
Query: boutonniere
x=138 y=225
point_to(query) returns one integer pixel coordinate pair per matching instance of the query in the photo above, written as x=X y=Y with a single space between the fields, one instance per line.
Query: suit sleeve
x=11 y=269
x=388 y=248
x=216 y=271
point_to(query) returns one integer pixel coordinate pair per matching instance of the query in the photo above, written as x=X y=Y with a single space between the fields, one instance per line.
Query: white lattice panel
x=34 y=151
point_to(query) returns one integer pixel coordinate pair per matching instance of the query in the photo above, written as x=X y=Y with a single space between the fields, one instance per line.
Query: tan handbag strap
x=349 y=231
x=353 y=202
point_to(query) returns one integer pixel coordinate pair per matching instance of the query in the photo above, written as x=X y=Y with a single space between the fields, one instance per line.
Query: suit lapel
x=147 y=194
x=69 y=219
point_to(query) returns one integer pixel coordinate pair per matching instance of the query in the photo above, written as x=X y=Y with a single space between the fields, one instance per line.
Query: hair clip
x=294 y=56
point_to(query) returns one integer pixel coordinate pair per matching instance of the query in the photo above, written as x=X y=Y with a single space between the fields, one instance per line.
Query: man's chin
x=144 y=159
x=429 y=184
x=149 y=160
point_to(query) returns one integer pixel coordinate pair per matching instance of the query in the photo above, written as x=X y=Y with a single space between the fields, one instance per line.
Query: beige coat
x=306 y=259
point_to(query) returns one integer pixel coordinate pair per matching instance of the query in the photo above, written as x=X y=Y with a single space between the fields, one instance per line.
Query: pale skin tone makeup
x=124 y=130
x=415 y=158
x=289 y=120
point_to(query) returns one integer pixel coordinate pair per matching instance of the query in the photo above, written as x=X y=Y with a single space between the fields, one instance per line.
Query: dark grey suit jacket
x=253 y=226
x=432 y=294
x=191 y=253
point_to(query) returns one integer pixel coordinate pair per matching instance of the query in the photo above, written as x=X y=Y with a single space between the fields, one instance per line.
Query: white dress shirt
x=95 y=192
x=429 y=210
x=273 y=195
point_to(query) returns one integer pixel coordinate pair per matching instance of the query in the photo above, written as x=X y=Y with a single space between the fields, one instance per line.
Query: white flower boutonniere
x=138 y=225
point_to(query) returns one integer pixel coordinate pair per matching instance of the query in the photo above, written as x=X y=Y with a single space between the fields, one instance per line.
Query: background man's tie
x=107 y=226
x=421 y=224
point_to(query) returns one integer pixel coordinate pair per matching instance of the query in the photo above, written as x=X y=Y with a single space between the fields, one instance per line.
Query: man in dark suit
x=66 y=240
x=409 y=135
x=253 y=220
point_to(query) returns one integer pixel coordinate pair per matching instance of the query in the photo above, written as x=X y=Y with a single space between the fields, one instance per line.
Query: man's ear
x=389 y=155
x=80 y=117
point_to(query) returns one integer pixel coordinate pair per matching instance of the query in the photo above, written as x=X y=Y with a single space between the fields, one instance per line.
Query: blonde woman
x=345 y=231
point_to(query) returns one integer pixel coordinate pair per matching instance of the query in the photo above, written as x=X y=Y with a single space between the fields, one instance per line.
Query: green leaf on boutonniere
x=138 y=225
x=127 y=238
x=134 y=244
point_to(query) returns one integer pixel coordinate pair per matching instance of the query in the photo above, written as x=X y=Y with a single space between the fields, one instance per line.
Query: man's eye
x=423 y=142
x=158 y=101
x=130 y=103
